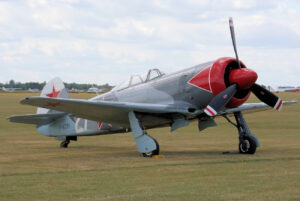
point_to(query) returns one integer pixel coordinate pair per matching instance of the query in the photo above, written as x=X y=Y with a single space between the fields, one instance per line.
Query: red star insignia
x=54 y=93
x=53 y=104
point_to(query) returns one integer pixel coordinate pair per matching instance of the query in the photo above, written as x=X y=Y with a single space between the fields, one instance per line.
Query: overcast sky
x=105 y=41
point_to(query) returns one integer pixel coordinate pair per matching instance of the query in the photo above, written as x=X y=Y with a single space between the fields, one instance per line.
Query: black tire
x=154 y=152
x=64 y=144
x=247 y=145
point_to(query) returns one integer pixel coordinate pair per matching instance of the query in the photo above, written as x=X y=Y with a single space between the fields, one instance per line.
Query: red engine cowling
x=221 y=78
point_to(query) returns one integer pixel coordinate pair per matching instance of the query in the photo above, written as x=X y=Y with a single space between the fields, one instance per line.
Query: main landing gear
x=65 y=143
x=154 y=152
x=247 y=141
x=146 y=145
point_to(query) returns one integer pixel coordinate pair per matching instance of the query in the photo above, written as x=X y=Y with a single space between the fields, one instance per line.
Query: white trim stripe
x=209 y=79
x=198 y=87
x=189 y=82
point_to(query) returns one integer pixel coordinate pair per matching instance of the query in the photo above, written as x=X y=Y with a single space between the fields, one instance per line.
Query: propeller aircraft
x=10 y=89
x=153 y=100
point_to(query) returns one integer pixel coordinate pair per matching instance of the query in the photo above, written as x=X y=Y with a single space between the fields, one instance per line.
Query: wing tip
x=11 y=118
x=290 y=102
x=26 y=99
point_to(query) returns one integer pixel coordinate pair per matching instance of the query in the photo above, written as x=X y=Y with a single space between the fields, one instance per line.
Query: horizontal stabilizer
x=37 y=119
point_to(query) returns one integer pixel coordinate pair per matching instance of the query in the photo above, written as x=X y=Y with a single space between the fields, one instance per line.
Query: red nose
x=243 y=77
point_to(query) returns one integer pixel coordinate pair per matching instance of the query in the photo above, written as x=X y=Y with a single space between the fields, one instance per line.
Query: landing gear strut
x=247 y=141
x=67 y=140
x=146 y=145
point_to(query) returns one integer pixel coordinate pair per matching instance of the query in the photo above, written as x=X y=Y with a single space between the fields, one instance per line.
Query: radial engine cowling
x=225 y=72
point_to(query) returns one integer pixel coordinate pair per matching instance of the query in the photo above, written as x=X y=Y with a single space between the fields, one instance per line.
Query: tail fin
x=54 y=88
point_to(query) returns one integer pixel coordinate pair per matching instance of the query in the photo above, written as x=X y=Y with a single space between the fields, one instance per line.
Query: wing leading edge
x=107 y=111
x=117 y=112
x=252 y=107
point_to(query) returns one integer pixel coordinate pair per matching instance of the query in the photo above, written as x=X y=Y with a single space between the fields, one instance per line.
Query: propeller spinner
x=241 y=79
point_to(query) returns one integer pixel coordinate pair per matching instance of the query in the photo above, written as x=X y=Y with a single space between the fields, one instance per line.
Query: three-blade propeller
x=241 y=79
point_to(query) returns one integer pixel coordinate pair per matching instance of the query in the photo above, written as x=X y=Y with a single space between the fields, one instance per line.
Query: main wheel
x=154 y=152
x=247 y=145
x=64 y=144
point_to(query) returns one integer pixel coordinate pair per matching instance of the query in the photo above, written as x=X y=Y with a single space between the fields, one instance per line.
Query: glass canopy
x=140 y=78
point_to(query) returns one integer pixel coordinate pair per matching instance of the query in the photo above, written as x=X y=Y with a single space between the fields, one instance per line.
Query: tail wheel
x=154 y=152
x=247 y=145
x=64 y=144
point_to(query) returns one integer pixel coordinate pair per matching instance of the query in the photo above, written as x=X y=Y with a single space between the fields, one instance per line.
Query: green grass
x=33 y=167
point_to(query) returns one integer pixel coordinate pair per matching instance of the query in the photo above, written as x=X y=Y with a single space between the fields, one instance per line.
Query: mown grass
x=33 y=167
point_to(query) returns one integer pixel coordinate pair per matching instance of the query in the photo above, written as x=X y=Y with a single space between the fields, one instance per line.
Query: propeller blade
x=267 y=97
x=220 y=100
x=233 y=40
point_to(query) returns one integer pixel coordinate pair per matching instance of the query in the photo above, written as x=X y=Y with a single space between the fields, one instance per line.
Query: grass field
x=33 y=167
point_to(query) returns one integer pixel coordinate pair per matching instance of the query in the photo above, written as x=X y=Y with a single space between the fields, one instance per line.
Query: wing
x=252 y=107
x=107 y=111
x=38 y=119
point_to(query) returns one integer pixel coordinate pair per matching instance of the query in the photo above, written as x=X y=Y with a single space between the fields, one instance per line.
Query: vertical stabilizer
x=54 y=88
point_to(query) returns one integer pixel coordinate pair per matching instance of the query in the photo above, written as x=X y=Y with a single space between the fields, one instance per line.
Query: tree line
x=40 y=85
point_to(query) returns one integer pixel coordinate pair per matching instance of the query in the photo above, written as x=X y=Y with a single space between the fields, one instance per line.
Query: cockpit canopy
x=140 y=78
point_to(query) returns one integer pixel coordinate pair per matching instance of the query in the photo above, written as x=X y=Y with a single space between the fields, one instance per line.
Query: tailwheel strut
x=65 y=143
